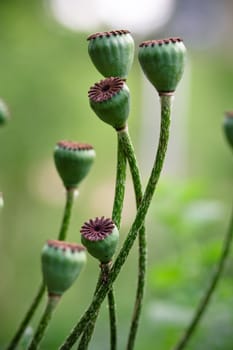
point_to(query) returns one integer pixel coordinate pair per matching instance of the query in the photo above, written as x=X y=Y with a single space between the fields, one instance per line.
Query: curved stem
x=128 y=149
x=127 y=145
x=44 y=321
x=136 y=226
x=119 y=185
x=87 y=334
x=90 y=326
x=204 y=302
x=116 y=217
x=36 y=301
x=14 y=342
x=70 y=193
x=89 y=329
x=113 y=319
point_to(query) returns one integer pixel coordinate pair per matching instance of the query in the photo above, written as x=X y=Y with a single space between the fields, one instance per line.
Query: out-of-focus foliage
x=189 y=228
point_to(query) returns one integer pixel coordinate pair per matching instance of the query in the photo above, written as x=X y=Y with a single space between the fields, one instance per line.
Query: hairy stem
x=70 y=193
x=41 y=290
x=127 y=145
x=87 y=334
x=44 y=322
x=204 y=302
x=116 y=217
x=136 y=226
x=14 y=342
x=119 y=185
x=90 y=326
x=113 y=319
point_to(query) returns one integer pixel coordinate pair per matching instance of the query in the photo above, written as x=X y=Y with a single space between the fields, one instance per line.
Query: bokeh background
x=45 y=73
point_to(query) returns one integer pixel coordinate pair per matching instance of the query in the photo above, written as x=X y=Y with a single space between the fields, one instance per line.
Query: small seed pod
x=100 y=236
x=61 y=265
x=4 y=113
x=110 y=100
x=163 y=62
x=73 y=161
x=112 y=52
x=228 y=127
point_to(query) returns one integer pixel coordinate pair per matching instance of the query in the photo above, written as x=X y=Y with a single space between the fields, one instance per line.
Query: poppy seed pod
x=73 y=161
x=163 y=62
x=110 y=100
x=112 y=52
x=4 y=113
x=228 y=127
x=61 y=265
x=100 y=236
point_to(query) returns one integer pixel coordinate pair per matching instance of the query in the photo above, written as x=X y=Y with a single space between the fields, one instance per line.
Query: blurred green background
x=45 y=73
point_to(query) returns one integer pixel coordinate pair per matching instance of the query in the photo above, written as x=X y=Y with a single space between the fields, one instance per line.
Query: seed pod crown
x=110 y=100
x=100 y=236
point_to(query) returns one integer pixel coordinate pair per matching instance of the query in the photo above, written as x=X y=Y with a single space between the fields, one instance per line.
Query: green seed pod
x=100 y=236
x=110 y=100
x=163 y=62
x=4 y=113
x=61 y=265
x=228 y=127
x=112 y=52
x=73 y=161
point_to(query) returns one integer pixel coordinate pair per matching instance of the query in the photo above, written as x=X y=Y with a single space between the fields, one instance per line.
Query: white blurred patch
x=163 y=311
x=44 y=182
x=204 y=211
x=102 y=197
x=138 y=16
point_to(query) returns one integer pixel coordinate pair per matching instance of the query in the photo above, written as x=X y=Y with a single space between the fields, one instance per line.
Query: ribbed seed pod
x=112 y=52
x=110 y=100
x=228 y=127
x=163 y=62
x=100 y=236
x=73 y=161
x=4 y=113
x=61 y=265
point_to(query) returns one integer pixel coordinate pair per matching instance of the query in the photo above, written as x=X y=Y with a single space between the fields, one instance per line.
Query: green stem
x=120 y=184
x=87 y=334
x=127 y=145
x=116 y=217
x=36 y=301
x=90 y=326
x=15 y=340
x=44 y=321
x=128 y=149
x=136 y=226
x=204 y=302
x=89 y=329
x=113 y=319
x=70 y=193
